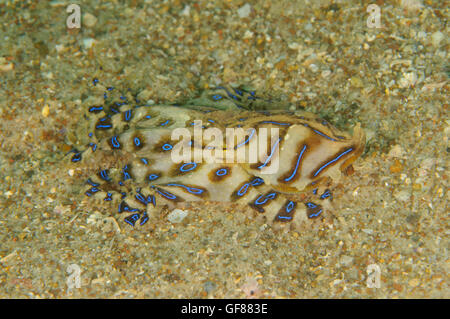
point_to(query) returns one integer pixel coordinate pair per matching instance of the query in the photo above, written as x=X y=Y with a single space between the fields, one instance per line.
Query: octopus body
x=271 y=158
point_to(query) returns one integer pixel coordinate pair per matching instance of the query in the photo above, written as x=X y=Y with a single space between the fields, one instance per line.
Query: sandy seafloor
x=318 y=55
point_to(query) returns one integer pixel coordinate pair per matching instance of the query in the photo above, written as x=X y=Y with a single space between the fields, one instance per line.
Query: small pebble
x=244 y=11
x=414 y=282
x=177 y=216
x=436 y=38
x=89 y=20
x=209 y=286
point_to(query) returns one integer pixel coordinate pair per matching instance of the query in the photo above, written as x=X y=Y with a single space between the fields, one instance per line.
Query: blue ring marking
x=90 y=134
x=167 y=147
x=76 y=157
x=137 y=141
x=141 y=198
x=144 y=160
x=94 y=190
x=311 y=205
x=126 y=174
x=266 y=198
x=104 y=175
x=144 y=219
x=127 y=115
x=148 y=116
x=316 y=214
x=270 y=156
x=108 y=197
x=222 y=171
x=257 y=181
x=217 y=97
x=243 y=189
x=151 y=199
x=90 y=182
x=228 y=92
x=95 y=108
x=183 y=169
x=114 y=110
x=132 y=219
x=260 y=203
x=123 y=207
x=326 y=136
x=94 y=146
x=290 y=206
x=166 y=122
x=247 y=140
x=296 y=165
x=166 y=194
x=152 y=177
x=114 y=142
x=333 y=160
x=273 y=122
x=326 y=194
x=238 y=92
x=191 y=190
x=271 y=195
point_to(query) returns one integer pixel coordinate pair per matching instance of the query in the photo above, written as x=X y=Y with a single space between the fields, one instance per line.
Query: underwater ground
x=385 y=66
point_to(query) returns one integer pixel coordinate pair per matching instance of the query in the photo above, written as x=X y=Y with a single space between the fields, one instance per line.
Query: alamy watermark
x=373 y=276
x=73 y=21
x=374 y=19
x=241 y=146
x=74 y=279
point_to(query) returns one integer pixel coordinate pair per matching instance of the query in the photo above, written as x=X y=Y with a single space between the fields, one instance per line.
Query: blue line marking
x=296 y=165
x=326 y=136
x=333 y=160
x=271 y=154
x=127 y=115
x=246 y=141
x=104 y=175
x=276 y=123
x=141 y=198
x=90 y=182
x=103 y=126
x=95 y=108
x=126 y=174
x=114 y=142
